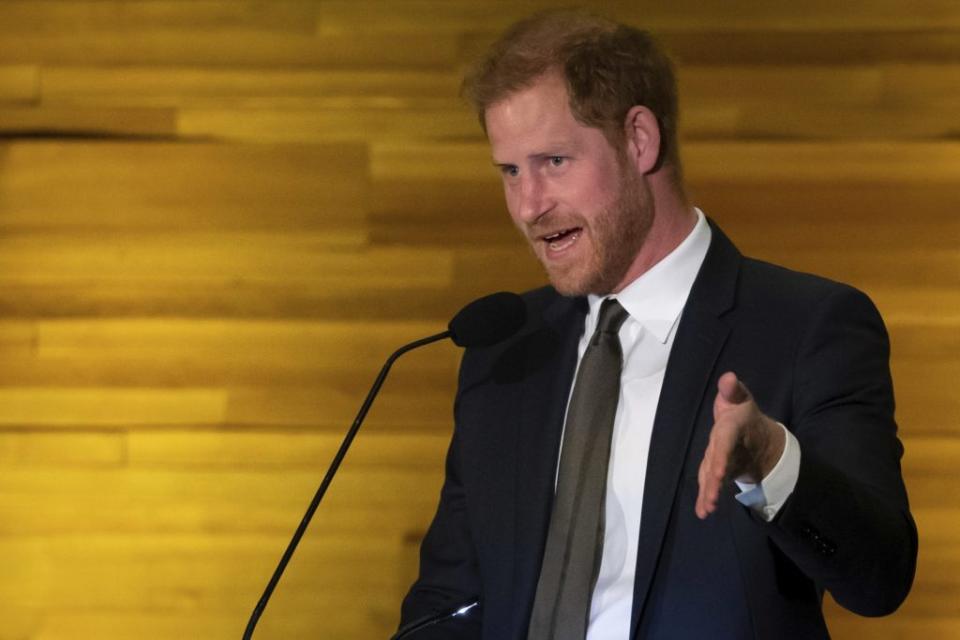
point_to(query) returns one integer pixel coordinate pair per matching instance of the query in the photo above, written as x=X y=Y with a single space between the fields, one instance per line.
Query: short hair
x=608 y=68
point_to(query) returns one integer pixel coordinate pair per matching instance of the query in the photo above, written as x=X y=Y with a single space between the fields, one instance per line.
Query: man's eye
x=510 y=171
x=556 y=161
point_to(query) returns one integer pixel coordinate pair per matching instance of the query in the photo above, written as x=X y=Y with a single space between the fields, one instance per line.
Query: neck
x=673 y=220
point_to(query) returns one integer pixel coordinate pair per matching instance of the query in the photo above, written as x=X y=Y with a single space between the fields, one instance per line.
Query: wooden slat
x=327 y=125
x=333 y=257
x=230 y=501
x=810 y=85
x=231 y=368
x=937 y=524
x=105 y=16
x=822 y=15
x=722 y=46
x=325 y=272
x=228 y=47
x=426 y=160
x=189 y=353
x=927 y=491
x=61 y=450
x=926 y=405
x=202 y=585
x=199 y=574
x=831 y=216
x=329 y=345
x=865 y=268
x=284 y=450
x=225 y=297
x=924 y=334
x=50 y=407
x=913 y=84
x=113 y=186
x=323 y=619
x=330 y=408
x=931 y=456
x=61 y=121
x=810 y=122
x=688 y=14
x=17 y=338
x=19 y=83
x=242 y=88
x=931 y=302
x=900 y=627
x=926 y=163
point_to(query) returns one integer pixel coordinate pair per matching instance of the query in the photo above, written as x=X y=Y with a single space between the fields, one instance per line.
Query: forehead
x=537 y=120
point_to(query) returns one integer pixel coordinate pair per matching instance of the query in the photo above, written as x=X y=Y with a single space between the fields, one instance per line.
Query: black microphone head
x=488 y=320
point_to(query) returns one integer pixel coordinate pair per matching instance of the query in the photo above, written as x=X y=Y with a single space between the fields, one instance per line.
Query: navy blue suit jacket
x=815 y=355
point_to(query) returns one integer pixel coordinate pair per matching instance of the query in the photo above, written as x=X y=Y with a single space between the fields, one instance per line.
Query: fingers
x=713 y=468
x=730 y=393
x=717 y=459
x=731 y=389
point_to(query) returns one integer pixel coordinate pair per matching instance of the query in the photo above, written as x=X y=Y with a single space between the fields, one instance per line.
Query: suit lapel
x=700 y=338
x=550 y=363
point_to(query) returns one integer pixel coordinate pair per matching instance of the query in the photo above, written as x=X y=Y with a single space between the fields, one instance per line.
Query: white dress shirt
x=654 y=301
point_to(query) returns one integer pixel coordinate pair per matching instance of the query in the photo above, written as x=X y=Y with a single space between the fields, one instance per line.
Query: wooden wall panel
x=692 y=15
x=238 y=88
x=19 y=83
x=115 y=186
x=218 y=217
x=94 y=122
x=226 y=47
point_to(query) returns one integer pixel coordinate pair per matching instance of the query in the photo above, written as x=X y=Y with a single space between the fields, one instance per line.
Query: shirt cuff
x=768 y=497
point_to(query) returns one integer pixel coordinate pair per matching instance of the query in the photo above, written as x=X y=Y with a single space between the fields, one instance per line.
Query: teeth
x=565 y=241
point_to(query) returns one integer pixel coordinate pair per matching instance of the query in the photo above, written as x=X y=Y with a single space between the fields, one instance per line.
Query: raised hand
x=744 y=443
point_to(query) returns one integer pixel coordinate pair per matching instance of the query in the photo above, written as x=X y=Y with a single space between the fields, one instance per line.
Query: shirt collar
x=656 y=298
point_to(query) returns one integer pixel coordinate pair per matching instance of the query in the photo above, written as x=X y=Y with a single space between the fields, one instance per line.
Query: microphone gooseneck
x=483 y=322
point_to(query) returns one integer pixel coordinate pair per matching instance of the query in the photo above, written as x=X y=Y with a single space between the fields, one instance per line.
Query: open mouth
x=562 y=239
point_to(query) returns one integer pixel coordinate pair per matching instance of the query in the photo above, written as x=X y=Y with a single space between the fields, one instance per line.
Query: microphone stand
x=347 y=441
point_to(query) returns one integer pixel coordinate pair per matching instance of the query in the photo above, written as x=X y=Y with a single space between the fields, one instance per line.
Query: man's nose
x=533 y=199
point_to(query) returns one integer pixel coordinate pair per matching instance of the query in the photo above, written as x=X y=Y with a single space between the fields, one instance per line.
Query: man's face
x=583 y=210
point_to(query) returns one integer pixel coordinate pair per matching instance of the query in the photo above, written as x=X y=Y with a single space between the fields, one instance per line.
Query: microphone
x=488 y=320
x=484 y=322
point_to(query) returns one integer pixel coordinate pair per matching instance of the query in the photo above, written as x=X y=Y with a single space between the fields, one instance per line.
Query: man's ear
x=642 y=139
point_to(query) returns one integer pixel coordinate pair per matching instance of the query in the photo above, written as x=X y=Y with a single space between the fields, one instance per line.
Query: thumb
x=731 y=390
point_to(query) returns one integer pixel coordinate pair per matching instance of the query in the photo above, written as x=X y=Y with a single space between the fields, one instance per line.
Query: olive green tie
x=571 y=560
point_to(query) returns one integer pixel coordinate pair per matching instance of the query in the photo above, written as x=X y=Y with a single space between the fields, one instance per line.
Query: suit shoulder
x=763 y=283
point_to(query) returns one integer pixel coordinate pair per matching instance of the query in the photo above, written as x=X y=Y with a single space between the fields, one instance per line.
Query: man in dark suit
x=749 y=458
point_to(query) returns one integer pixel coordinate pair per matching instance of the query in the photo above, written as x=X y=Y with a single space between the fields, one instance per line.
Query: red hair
x=608 y=69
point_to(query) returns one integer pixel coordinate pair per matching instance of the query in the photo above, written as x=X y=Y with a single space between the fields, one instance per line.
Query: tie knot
x=612 y=316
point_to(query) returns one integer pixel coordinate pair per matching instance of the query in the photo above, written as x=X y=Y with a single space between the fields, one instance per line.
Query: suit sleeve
x=847 y=524
x=449 y=575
